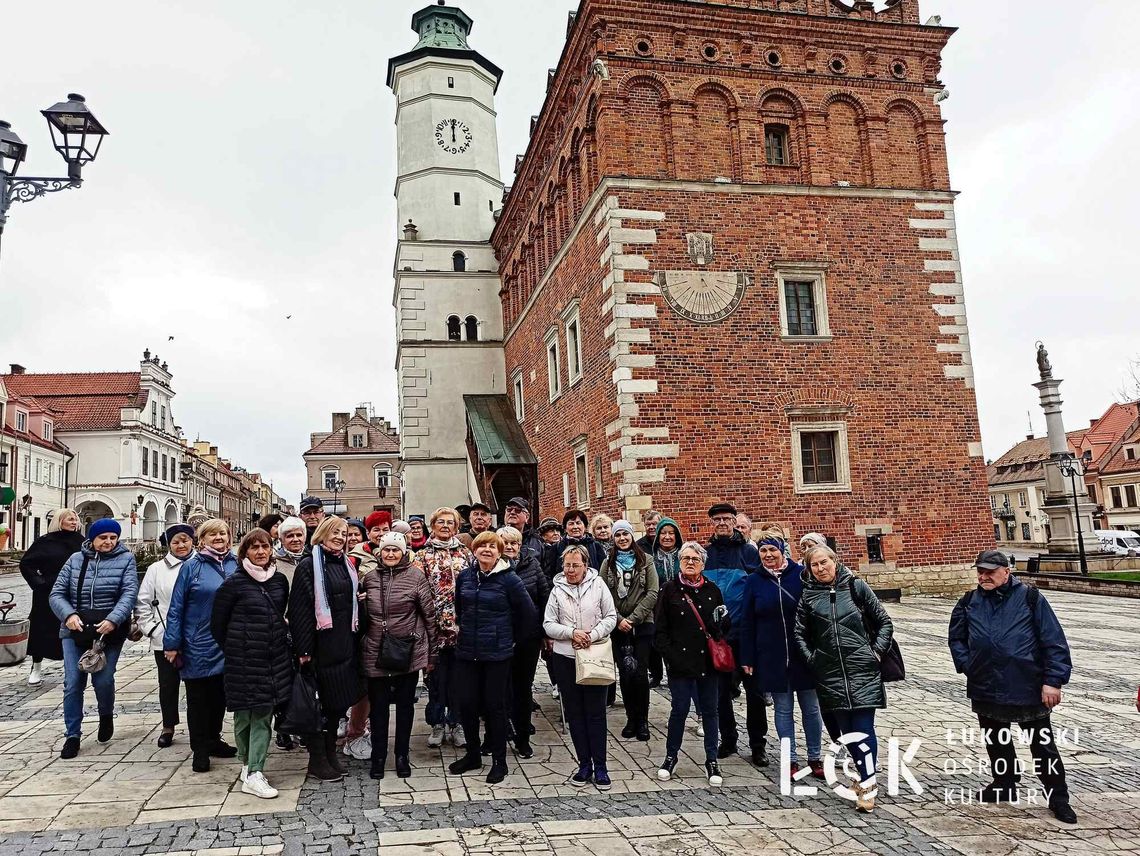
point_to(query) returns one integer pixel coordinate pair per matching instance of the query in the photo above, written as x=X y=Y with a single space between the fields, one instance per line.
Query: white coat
x=154 y=598
x=587 y=606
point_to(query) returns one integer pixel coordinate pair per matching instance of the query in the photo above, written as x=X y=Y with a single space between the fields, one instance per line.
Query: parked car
x=1119 y=542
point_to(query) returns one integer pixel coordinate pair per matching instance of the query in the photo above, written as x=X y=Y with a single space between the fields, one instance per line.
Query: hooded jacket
x=402 y=596
x=835 y=645
x=641 y=597
x=111 y=582
x=1007 y=649
x=668 y=565
x=587 y=606
x=768 y=630
x=731 y=559
x=191 y=607
x=493 y=610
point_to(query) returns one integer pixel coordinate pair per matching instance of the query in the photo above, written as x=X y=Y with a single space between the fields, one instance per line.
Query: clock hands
x=454 y=122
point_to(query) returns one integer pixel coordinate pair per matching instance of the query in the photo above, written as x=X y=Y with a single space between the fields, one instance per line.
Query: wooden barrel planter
x=13 y=633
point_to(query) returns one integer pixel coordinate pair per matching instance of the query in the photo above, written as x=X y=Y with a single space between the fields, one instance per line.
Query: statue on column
x=1043 y=365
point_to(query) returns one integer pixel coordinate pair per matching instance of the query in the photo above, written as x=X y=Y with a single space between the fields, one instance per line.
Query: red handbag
x=720 y=651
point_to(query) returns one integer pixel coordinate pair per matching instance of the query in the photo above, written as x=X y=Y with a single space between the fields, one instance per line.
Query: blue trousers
x=861 y=720
x=683 y=691
x=809 y=713
x=75 y=684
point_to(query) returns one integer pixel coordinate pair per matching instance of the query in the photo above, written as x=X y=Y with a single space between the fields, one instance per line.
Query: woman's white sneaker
x=700 y=728
x=256 y=785
x=435 y=739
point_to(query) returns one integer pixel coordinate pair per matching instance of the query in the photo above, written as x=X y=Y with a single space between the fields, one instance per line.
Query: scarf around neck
x=320 y=594
x=262 y=575
x=211 y=553
x=445 y=545
x=624 y=561
x=700 y=581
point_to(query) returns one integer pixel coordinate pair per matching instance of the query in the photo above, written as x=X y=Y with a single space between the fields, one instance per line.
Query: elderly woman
x=291 y=535
x=324 y=615
x=40 y=566
x=248 y=620
x=529 y=646
x=188 y=638
x=579 y=613
x=269 y=523
x=93 y=597
x=690 y=609
x=769 y=655
x=632 y=580
x=601 y=527
x=441 y=560
x=150 y=613
x=418 y=535
x=842 y=632
x=666 y=550
x=400 y=605
x=357 y=534
x=493 y=610
x=807 y=542
x=574 y=525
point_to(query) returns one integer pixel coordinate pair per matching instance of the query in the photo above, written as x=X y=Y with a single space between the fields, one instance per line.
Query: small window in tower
x=491 y=205
x=776 y=145
x=457 y=199
x=875 y=547
x=453 y=328
x=451 y=83
x=458 y=261
x=471 y=328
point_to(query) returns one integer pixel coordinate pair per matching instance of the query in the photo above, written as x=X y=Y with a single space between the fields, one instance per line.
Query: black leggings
x=382 y=692
x=634 y=689
x=169 y=681
x=205 y=710
x=523 y=666
x=482 y=690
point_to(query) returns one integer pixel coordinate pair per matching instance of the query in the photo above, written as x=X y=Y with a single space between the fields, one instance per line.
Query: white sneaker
x=255 y=784
x=360 y=748
x=342 y=728
x=554 y=694
x=700 y=728
x=438 y=732
x=35 y=676
x=244 y=772
x=458 y=740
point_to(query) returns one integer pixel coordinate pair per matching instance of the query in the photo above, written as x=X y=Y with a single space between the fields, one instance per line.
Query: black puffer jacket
x=679 y=638
x=334 y=651
x=833 y=642
x=529 y=570
x=248 y=622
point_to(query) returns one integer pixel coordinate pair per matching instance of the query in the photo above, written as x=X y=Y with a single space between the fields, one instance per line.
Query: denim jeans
x=861 y=720
x=75 y=683
x=809 y=714
x=683 y=691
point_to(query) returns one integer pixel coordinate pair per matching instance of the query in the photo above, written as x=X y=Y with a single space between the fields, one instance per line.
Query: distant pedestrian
x=188 y=641
x=581 y=613
x=93 y=597
x=248 y=622
x=1007 y=640
x=842 y=632
x=40 y=565
x=150 y=612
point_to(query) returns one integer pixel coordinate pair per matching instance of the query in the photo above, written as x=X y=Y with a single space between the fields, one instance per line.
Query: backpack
x=1032 y=597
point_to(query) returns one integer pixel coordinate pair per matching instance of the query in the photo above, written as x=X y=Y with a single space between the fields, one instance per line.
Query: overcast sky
x=249 y=176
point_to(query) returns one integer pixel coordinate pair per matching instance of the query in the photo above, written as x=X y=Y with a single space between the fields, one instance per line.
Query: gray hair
x=819 y=548
x=650 y=514
x=509 y=533
x=579 y=550
x=696 y=548
x=289 y=524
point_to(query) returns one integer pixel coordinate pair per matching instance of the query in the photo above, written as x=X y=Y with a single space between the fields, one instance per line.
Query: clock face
x=453 y=136
x=703 y=296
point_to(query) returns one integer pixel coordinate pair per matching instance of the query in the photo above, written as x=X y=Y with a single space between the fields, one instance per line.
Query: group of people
x=362 y=611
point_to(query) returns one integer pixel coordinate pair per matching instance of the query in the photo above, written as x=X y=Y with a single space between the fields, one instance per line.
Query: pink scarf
x=262 y=575
x=700 y=581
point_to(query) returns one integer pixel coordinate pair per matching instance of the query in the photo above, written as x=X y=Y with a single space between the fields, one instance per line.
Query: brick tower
x=730 y=270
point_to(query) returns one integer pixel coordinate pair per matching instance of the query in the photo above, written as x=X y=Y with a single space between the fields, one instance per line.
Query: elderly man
x=478 y=522
x=651 y=519
x=312 y=512
x=517 y=514
x=744 y=525
x=1007 y=640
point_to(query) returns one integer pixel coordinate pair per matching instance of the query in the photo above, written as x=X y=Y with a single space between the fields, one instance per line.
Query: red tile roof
x=1024 y=461
x=84 y=401
x=337 y=443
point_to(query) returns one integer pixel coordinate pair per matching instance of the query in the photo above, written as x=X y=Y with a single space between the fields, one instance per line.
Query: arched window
x=453 y=328
x=471 y=325
x=458 y=261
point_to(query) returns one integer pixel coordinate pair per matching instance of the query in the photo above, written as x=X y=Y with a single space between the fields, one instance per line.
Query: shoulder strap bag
x=720 y=651
x=594 y=666
x=92 y=618
x=891 y=665
x=395 y=651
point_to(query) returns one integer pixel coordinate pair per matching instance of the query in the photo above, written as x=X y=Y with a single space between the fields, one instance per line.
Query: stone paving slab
x=132 y=798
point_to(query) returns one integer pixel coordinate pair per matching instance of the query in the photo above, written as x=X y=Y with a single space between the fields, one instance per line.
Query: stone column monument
x=1059 y=504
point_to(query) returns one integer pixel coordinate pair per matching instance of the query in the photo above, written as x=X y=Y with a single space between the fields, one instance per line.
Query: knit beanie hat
x=176 y=529
x=815 y=538
x=393 y=539
x=104 y=526
x=378 y=518
x=621 y=526
x=401 y=526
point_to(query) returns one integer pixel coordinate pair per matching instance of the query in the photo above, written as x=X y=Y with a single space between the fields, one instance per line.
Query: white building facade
x=448 y=313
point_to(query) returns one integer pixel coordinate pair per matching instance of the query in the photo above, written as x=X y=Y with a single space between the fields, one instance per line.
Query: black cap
x=310 y=502
x=464 y=509
x=520 y=502
x=990 y=559
x=722 y=508
x=548 y=524
x=481 y=506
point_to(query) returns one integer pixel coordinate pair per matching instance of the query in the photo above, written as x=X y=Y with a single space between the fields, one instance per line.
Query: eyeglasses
x=729 y=520
x=691 y=560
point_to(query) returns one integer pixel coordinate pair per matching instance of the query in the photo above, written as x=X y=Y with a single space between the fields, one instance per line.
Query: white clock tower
x=449 y=323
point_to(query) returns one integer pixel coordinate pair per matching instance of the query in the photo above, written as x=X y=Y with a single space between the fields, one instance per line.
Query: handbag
x=94 y=659
x=720 y=651
x=92 y=618
x=395 y=651
x=594 y=666
x=303 y=715
x=891 y=665
x=627 y=663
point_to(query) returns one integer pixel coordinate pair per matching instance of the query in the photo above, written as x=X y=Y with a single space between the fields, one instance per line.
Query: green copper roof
x=499 y=439
x=442 y=26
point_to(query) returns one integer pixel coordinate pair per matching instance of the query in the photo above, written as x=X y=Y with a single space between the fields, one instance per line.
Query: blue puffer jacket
x=492 y=610
x=730 y=562
x=191 y=607
x=112 y=582
x=1007 y=649
x=768 y=631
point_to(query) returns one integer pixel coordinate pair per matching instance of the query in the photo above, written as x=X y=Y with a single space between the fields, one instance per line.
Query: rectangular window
x=35 y=527
x=1130 y=495
x=383 y=478
x=3 y=466
x=581 y=477
x=997 y=532
x=330 y=480
x=154 y=413
x=817 y=456
x=1130 y=453
x=553 y=360
x=574 y=346
x=566 y=490
x=1021 y=498
x=875 y=548
x=520 y=404
x=21 y=420
x=451 y=83
x=1026 y=535
x=457 y=199
x=598 y=483
x=162 y=417
x=39 y=470
x=1092 y=494
x=993 y=501
x=1010 y=531
x=776 y=145
x=165 y=472
x=820 y=462
x=1116 y=500
x=146 y=462
x=49 y=472
x=154 y=463
x=47 y=430
x=491 y=205
x=358 y=441
x=802 y=294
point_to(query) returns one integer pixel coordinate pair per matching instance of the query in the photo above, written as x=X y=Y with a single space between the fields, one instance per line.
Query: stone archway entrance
x=92 y=510
x=150 y=521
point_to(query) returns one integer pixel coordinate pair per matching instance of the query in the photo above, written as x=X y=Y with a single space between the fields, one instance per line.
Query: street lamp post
x=76 y=134
x=1070 y=470
x=338 y=486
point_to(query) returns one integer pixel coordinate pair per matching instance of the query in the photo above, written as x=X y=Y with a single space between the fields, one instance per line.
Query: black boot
x=470 y=761
x=331 y=753
x=498 y=771
x=377 y=771
x=403 y=766
x=70 y=748
x=106 y=728
x=319 y=767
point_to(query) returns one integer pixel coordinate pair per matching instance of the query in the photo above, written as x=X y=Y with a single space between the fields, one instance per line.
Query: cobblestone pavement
x=132 y=798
